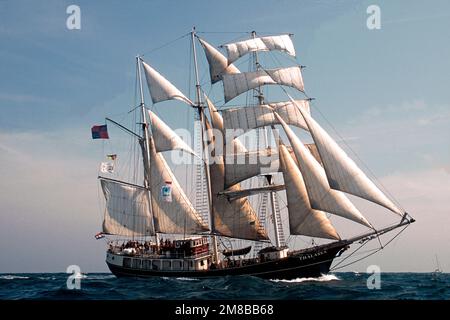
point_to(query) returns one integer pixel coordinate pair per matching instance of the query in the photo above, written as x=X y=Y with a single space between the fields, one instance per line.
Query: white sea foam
x=47 y=278
x=322 y=278
x=187 y=279
x=12 y=277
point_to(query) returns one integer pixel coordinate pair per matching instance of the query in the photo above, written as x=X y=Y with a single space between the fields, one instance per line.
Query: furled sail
x=173 y=214
x=160 y=88
x=218 y=63
x=342 y=172
x=248 y=118
x=164 y=137
x=321 y=196
x=235 y=84
x=127 y=209
x=238 y=49
x=303 y=220
x=236 y=218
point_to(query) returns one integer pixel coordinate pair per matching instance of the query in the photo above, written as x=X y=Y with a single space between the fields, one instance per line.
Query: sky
x=385 y=92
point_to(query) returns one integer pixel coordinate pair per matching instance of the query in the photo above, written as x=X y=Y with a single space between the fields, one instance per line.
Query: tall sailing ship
x=154 y=229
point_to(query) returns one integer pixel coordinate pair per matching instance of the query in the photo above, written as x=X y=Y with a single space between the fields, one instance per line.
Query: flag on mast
x=112 y=156
x=107 y=167
x=100 y=132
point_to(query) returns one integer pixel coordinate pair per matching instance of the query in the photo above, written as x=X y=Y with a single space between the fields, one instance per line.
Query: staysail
x=235 y=84
x=160 y=88
x=321 y=196
x=238 y=49
x=173 y=214
x=218 y=63
x=342 y=172
x=303 y=220
x=127 y=209
x=164 y=137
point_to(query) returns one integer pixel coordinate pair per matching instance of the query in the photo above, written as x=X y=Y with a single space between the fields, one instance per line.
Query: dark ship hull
x=312 y=262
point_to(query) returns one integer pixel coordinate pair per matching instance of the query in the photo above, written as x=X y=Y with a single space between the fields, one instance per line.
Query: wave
x=12 y=277
x=322 y=278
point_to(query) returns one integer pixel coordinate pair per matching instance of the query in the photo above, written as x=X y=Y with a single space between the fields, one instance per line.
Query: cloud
x=406 y=136
x=21 y=98
x=447 y=168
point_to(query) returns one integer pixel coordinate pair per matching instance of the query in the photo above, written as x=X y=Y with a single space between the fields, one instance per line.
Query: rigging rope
x=165 y=45
x=370 y=254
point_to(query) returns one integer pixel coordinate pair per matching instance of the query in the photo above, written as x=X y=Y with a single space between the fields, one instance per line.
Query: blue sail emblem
x=166 y=191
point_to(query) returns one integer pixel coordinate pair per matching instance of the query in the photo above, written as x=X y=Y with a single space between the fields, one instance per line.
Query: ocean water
x=105 y=286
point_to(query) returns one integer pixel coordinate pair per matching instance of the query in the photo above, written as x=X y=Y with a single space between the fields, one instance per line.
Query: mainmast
x=146 y=140
x=272 y=195
x=199 y=105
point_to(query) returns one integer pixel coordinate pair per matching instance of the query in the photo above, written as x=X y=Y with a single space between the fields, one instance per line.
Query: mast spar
x=198 y=103
x=269 y=178
x=145 y=142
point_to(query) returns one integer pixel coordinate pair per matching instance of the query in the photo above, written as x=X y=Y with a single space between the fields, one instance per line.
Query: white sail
x=235 y=173
x=235 y=84
x=218 y=63
x=238 y=49
x=251 y=164
x=232 y=195
x=303 y=220
x=315 y=153
x=216 y=118
x=164 y=137
x=248 y=118
x=177 y=216
x=236 y=218
x=160 y=88
x=342 y=172
x=127 y=209
x=321 y=196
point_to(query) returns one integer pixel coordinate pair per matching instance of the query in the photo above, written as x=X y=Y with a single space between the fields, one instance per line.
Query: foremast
x=145 y=142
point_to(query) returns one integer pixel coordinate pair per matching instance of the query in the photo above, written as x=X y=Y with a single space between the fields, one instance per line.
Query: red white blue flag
x=100 y=132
